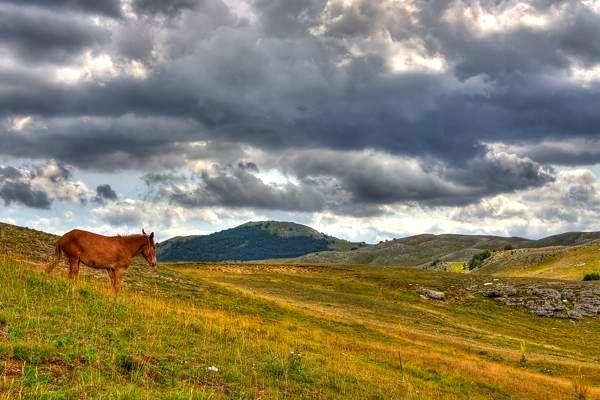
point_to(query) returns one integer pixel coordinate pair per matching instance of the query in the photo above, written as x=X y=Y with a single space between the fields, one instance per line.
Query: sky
x=368 y=120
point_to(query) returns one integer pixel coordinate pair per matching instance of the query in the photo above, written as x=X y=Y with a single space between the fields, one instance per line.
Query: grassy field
x=568 y=263
x=226 y=331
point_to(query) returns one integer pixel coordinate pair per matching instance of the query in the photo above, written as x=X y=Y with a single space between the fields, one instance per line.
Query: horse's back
x=84 y=240
x=91 y=248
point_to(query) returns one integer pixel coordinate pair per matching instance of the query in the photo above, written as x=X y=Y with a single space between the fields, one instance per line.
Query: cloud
x=124 y=213
x=315 y=106
x=238 y=186
x=166 y=7
x=105 y=193
x=40 y=186
x=21 y=192
x=109 y=8
x=348 y=183
x=210 y=80
x=36 y=35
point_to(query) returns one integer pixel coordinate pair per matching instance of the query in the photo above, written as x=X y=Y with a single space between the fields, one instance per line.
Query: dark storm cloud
x=375 y=178
x=248 y=166
x=167 y=7
x=288 y=18
x=407 y=113
x=236 y=187
x=20 y=192
x=109 y=8
x=39 y=35
x=105 y=193
x=352 y=183
x=317 y=76
x=15 y=187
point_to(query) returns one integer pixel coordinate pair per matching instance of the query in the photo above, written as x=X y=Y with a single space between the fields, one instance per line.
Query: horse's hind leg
x=73 y=267
x=55 y=261
x=111 y=275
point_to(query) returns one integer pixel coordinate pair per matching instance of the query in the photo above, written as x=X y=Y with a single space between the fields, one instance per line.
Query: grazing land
x=276 y=331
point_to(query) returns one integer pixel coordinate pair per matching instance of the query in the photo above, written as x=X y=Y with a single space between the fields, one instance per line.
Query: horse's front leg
x=117 y=279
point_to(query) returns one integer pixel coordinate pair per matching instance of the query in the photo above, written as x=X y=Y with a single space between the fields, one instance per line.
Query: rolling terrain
x=422 y=250
x=276 y=331
x=252 y=241
x=291 y=243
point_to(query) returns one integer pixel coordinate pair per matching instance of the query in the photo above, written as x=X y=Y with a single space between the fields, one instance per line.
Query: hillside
x=422 y=250
x=553 y=262
x=252 y=241
x=25 y=243
x=275 y=331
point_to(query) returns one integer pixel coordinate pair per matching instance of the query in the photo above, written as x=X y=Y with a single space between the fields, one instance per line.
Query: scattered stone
x=432 y=294
x=488 y=284
x=500 y=291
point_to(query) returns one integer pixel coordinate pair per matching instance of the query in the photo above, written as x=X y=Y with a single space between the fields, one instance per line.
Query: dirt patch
x=260 y=268
x=11 y=368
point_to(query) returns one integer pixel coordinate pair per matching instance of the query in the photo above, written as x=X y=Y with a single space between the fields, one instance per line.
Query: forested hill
x=252 y=241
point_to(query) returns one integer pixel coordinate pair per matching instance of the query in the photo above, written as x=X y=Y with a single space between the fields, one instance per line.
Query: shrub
x=478 y=259
x=594 y=276
x=508 y=247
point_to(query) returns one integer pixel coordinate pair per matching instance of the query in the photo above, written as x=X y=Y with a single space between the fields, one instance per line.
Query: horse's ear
x=152 y=236
x=144 y=232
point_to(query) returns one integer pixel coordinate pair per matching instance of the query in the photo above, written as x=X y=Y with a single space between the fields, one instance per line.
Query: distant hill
x=253 y=241
x=422 y=250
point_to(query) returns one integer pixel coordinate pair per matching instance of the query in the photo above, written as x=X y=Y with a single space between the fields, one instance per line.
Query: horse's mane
x=134 y=235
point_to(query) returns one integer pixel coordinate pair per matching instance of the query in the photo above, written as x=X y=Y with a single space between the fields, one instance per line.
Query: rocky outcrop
x=562 y=301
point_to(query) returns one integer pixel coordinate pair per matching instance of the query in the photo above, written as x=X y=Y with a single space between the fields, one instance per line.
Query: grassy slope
x=415 y=251
x=280 y=332
x=560 y=262
x=565 y=256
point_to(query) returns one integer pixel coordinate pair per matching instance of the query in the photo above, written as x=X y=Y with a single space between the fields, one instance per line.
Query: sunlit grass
x=276 y=332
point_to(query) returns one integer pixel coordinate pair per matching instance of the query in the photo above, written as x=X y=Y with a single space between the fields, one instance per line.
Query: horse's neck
x=135 y=244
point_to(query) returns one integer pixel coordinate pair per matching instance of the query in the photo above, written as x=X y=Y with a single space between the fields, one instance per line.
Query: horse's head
x=149 y=251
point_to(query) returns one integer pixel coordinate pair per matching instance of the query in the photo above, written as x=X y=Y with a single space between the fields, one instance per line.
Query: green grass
x=265 y=331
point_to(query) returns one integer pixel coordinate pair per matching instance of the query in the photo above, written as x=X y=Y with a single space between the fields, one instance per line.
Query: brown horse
x=112 y=253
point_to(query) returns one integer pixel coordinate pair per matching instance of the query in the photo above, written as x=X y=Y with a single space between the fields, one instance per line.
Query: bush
x=594 y=276
x=478 y=259
x=508 y=247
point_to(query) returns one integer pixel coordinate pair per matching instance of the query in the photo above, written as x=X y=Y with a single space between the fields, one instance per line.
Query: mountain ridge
x=254 y=240
x=422 y=250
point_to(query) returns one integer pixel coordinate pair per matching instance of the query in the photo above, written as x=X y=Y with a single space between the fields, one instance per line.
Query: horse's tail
x=54 y=262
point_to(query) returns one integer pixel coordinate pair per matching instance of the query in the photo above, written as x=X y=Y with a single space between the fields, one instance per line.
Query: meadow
x=243 y=331
x=269 y=331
